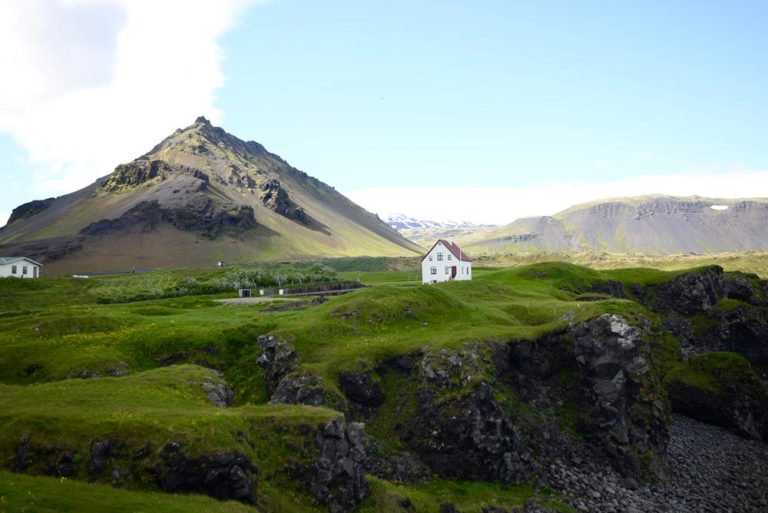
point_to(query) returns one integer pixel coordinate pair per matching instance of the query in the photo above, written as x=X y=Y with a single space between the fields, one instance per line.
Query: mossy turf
x=718 y=373
x=53 y=330
x=468 y=496
x=27 y=494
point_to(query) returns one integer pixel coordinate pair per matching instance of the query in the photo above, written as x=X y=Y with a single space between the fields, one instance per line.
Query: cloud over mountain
x=95 y=82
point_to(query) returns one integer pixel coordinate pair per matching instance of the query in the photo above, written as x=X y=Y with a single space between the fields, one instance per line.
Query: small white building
x=445 y=262
x=19 y=267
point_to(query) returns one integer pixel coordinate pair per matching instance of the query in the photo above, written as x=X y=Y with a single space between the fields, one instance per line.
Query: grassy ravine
x=55 y=330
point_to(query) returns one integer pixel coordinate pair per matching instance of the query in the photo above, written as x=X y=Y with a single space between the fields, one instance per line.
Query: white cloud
x=88 y=84
x=499 y=205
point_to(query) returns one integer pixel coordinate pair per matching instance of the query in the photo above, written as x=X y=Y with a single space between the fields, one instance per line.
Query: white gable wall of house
x=442 y=264
x=19 y=267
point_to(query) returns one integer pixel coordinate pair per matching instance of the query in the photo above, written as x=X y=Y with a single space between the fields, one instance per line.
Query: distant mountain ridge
x=653 y=224
x=404 y=222
x=199 y=196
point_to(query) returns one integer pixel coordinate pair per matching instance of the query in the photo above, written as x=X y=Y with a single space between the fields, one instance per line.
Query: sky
x=483 y=111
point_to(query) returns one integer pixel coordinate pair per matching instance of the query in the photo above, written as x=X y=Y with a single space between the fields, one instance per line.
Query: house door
x=34 y=272
x=453 y=272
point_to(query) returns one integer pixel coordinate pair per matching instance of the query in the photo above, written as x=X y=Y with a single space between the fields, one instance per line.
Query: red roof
x=453 y=248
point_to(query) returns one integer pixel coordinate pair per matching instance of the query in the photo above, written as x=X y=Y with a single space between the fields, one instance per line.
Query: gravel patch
x=710 y=470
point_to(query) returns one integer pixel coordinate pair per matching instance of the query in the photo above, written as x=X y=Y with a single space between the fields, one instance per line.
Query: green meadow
x=147 y=361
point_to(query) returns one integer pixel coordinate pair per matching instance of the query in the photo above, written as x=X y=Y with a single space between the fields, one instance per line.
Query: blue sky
x=390 y=101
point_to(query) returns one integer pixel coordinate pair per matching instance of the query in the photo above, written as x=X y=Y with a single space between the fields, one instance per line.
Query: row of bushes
x=249 y=277
x=255 y=277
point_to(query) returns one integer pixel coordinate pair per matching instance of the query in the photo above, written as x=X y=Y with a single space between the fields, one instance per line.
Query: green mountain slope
x=199 y=196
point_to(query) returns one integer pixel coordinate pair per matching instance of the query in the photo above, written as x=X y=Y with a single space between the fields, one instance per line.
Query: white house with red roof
x=445 y=262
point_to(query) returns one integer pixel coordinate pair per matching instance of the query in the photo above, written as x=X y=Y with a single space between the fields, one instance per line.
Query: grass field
x=28 y=494
x=148 y=360
x=751 y=261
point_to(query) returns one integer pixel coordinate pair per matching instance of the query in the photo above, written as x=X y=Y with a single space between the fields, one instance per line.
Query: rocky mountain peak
x=202 y=184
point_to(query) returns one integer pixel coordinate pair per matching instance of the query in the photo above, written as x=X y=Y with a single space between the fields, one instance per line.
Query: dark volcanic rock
x=686 y=294
x=128 y=176
x=29 y=209
x=452 y=369
x=468 y=437
x=742 y=330
x=218 y=393
x=277 y=359
x=298 y=388
x=614 y=363
x=340 y=480
x=473 y=406
x=275 y=197
x=399 y=467
x=51 y=461
x=597 y=374
x=102 y=454
x=199 y=214
x=362 y=388
x=611 y=287
x=229 y=475
x=708 y=310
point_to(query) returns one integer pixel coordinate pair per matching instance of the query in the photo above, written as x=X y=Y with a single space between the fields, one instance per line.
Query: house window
x=13 y=269
x=447 y=269
x=433 y=270
x=24 y=270
x=439 y=257
x=430 y=258
x=449 y=257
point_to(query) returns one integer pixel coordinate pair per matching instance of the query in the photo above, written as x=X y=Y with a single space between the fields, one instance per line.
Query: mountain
x=652 y=224
x=403 y=222
x=199 y=196
x=426 y=232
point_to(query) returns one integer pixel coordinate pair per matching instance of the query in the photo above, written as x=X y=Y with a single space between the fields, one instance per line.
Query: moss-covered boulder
x=721 y=388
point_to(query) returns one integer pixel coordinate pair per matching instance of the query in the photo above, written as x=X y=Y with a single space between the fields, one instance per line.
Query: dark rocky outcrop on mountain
x=276 y=198
x=29 y=209
x=209 y=193
x=201 y=215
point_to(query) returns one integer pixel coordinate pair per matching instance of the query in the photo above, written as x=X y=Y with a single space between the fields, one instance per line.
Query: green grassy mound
x=465 y=496
x=716 y=373
x=142 y=413
x=27 y=494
